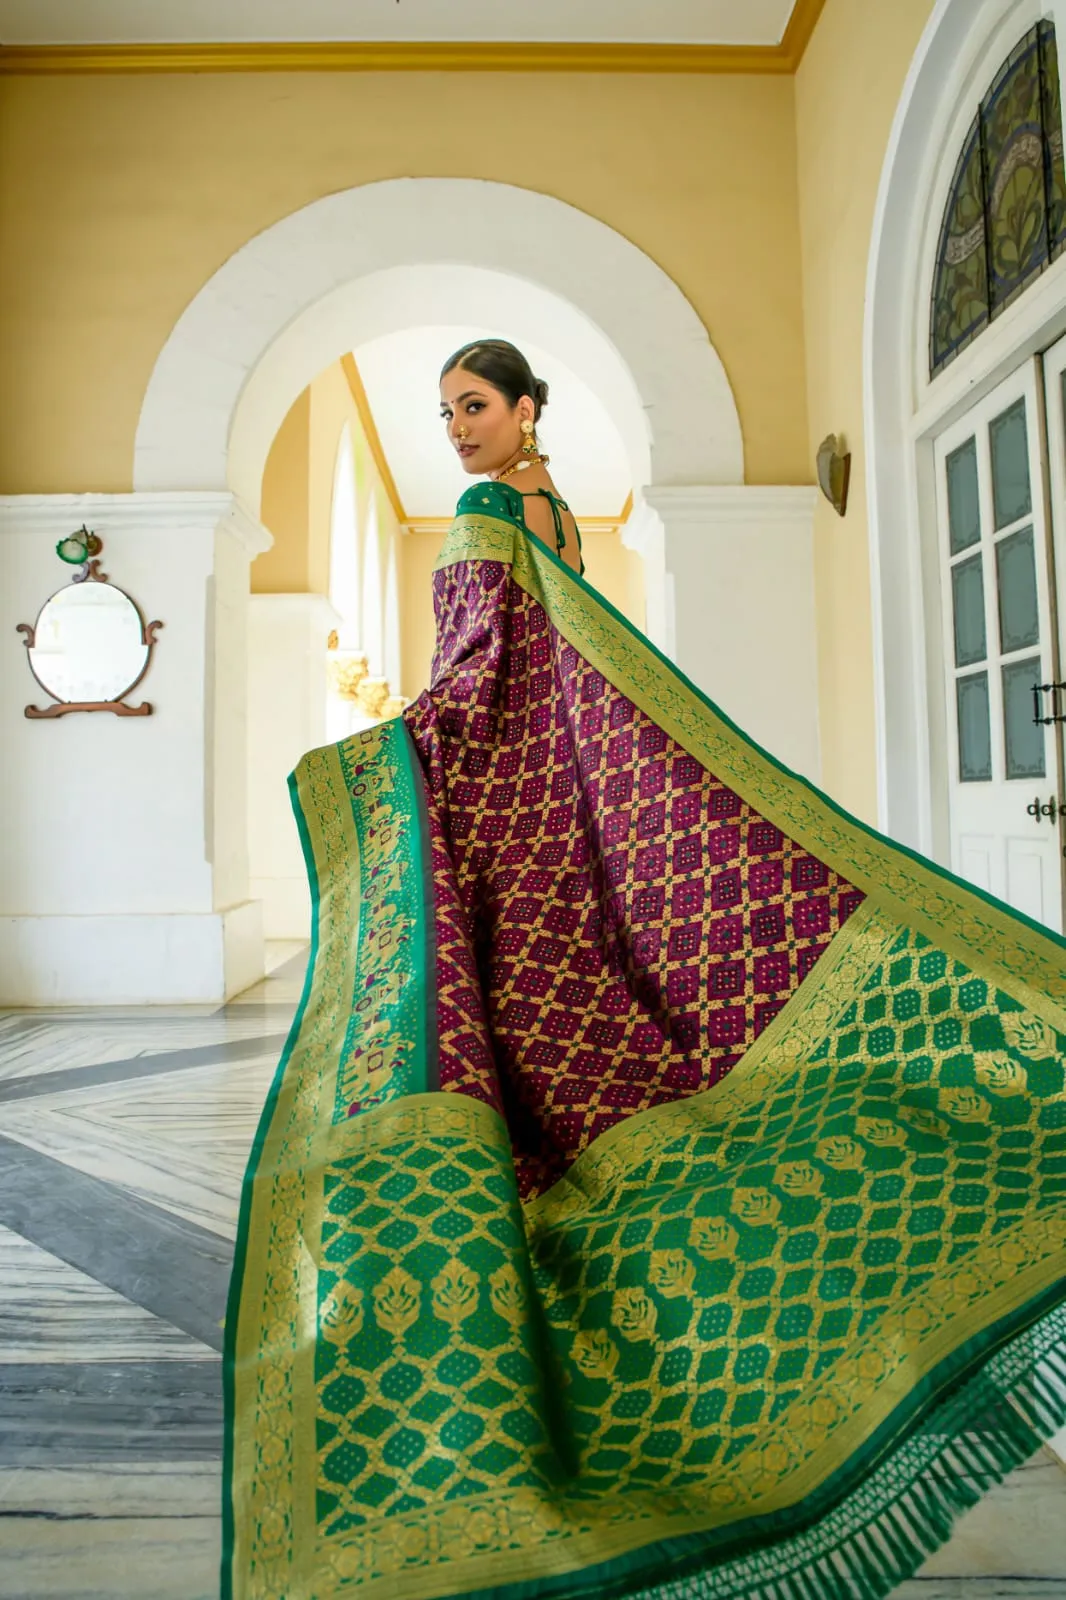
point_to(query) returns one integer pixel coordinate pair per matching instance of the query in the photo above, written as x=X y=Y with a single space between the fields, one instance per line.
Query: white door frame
x=964 y=44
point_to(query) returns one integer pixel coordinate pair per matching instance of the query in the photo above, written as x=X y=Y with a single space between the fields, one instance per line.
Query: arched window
x=373 y=642
x=392 y=623
x=344 y=547
x=1005 y=220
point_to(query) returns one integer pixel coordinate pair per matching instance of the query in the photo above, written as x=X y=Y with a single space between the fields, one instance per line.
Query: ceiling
x=695 y=22
x=399 y=372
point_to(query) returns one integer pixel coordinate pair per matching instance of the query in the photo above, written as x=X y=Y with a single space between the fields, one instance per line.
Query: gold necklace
x=522 y=466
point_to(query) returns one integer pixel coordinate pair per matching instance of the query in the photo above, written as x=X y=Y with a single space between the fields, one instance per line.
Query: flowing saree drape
x=663 y=1188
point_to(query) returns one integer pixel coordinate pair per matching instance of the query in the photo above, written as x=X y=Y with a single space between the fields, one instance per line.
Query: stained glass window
x=1005 y=219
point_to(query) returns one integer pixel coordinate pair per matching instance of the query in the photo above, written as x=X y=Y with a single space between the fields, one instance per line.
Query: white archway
x=207 y=408
x=963 y=44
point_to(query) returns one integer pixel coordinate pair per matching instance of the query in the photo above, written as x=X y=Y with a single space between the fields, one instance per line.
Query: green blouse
x=501 y=500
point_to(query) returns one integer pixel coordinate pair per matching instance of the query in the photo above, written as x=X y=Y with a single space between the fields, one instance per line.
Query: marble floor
x=123 y=1138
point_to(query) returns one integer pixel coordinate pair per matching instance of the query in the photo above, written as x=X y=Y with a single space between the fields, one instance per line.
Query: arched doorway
x=291 y=300
x=190 y=435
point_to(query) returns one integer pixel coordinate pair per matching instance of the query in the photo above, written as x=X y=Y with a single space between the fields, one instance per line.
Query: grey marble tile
x=111 y=1531
x=71 y=1412
x=982 y=1589
x=123 y=1069
x=180 y=1140
x=57 y=1043
x=173 y=1268
x=286 y=956
x=49 y=1311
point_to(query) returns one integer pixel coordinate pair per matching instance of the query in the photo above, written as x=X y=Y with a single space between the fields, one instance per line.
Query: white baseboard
x=131 y=960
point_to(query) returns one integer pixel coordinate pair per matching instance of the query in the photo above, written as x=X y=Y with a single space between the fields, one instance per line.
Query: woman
x=664 y=1192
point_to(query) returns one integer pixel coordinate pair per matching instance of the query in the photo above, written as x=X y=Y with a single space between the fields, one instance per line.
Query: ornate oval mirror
x=89 y=647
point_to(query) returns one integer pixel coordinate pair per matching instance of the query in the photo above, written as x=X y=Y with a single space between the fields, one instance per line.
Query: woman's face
x=483 y=427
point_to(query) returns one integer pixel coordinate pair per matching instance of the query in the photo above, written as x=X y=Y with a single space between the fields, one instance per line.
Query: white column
x=287 y=716
x=740 y=563
x=123 y=858
x=643 y=533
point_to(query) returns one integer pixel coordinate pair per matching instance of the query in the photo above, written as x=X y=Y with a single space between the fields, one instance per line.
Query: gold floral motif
x=454 y=1293
x=396 y=1300
x=756 y=1206
x=505 y=1294
x=672 y=1272
x=775 y=1459
x=593 y=1352
x=841 y=1153
x=634 y=1313
x=878 y=1132
x=1001 y=1073
x=924 y=1120
x=798 y=1178
x=871 y=1366
x=341 y=1314
x=965 y=1104
x=714 y=1236
x=1029 y=1035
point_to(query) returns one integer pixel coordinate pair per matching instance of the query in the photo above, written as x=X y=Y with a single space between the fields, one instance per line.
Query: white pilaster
x=287 y=716
x=643 y=533
x=123 y=862
x=740 y=563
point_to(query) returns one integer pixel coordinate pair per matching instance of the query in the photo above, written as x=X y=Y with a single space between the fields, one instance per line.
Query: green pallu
x=767 y=1339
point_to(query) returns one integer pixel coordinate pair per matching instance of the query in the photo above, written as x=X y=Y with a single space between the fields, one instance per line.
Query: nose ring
x=462 y=433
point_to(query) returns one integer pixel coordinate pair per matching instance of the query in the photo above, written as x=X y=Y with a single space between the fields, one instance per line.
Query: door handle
x=1052 y=810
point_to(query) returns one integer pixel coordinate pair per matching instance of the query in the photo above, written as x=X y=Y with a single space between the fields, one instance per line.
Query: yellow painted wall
x=847 y=90
x=284 y=569
x=297 y=503
x=120 y=196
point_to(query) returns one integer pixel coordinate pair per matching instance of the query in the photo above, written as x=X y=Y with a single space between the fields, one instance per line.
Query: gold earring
x=529 y=446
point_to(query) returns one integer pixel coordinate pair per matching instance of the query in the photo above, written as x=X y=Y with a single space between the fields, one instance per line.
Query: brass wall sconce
x=834 y=472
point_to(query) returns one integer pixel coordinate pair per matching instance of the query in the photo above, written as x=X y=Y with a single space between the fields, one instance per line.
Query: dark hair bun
x=505 y=367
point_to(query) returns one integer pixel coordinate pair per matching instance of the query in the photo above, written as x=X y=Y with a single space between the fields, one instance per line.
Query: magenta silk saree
x=663 y=1189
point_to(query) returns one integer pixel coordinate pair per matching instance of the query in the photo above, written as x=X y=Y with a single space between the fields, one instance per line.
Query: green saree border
x=1024 y=958
x=362 y=820
x=236 y=1284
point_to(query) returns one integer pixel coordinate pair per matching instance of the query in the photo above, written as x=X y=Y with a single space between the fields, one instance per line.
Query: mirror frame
x=90 y=573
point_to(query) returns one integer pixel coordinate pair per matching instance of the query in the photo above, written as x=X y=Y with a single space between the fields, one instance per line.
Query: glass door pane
x=997 y=628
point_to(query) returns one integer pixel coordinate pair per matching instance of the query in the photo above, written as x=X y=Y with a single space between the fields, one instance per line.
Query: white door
x=1000 y=648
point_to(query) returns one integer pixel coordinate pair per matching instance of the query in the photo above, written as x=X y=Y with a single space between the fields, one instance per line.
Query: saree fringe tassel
x=662 y=1192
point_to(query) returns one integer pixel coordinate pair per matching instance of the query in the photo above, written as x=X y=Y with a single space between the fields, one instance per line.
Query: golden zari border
x=1028 y=963
x=357 y=870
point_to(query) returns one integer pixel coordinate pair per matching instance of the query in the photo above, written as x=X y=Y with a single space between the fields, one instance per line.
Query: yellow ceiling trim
x=801 y=26
x=420 y=56
x=373 y=438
